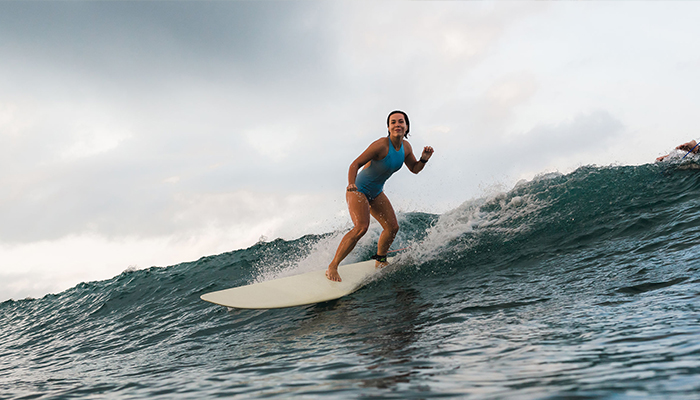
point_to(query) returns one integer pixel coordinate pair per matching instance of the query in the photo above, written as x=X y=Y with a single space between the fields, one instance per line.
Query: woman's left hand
x=427 y=153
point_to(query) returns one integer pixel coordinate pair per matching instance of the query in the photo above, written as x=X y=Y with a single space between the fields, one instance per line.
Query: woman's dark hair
x=405 y=117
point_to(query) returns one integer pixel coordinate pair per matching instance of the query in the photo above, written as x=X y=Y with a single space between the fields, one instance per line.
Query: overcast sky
x=135 y=134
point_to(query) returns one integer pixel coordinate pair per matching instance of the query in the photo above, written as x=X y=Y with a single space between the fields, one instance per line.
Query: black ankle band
x=381 y=259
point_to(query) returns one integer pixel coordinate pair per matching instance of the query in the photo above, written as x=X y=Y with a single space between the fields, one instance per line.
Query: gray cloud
x=585 y=133
x=166 y=40
x=112 y=113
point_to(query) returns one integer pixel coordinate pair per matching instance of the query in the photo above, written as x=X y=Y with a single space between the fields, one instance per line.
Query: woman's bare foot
x=332 y=274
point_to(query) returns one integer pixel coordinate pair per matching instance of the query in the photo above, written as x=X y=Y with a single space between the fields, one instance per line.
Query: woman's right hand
x=352 y=188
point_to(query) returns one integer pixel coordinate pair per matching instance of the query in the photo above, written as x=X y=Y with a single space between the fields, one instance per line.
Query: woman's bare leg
x=359 y=213
x=382 y=210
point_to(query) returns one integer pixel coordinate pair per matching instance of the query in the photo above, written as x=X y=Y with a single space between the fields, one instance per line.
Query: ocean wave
x=581 y=284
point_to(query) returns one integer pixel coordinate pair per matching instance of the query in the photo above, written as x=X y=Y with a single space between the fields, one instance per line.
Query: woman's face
x=397 y=125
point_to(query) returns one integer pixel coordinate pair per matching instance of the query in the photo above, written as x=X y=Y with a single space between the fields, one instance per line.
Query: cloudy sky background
x=135 y=134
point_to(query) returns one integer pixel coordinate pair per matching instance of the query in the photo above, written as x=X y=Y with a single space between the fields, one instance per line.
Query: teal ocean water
x=577 y=286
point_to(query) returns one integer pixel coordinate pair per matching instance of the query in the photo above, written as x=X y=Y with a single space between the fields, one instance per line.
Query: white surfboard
x=298 y=290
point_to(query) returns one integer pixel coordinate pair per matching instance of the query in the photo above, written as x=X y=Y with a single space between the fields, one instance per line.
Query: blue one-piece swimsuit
x=370 y=180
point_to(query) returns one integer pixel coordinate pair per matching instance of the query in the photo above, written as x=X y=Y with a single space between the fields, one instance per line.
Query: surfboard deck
x=297 y=290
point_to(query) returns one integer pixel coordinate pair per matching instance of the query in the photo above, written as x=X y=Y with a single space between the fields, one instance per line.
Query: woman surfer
x=365 y=192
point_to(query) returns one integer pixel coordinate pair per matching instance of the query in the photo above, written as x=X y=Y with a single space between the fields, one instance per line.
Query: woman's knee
x=360 y=230
x=393 y=228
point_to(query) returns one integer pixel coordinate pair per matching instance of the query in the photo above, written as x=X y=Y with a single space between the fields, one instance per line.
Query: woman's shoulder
x=380 y=143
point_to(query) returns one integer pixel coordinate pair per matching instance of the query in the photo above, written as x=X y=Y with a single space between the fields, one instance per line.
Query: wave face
x=584 y=285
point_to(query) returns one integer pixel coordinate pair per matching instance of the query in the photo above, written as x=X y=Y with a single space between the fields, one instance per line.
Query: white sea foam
x=494 y=212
